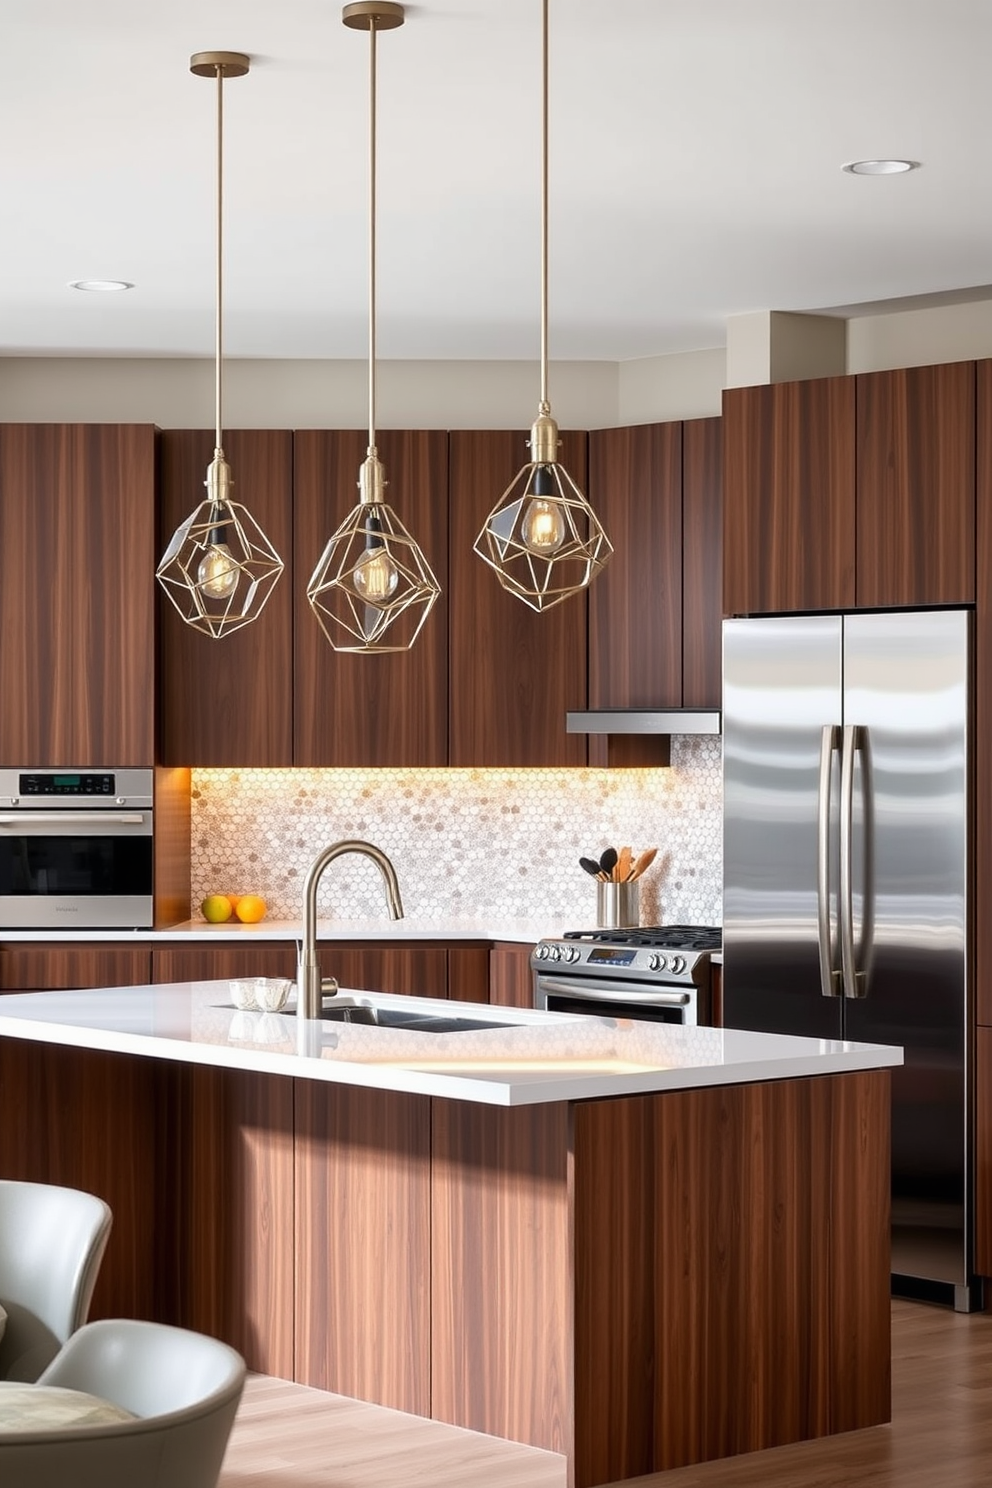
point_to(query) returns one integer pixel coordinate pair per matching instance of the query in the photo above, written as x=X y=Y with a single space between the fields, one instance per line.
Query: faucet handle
x=328 y=986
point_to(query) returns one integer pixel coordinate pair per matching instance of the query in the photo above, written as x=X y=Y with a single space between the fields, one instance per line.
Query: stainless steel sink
x=384 y=1017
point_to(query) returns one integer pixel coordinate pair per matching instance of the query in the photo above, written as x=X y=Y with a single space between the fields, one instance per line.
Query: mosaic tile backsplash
x=492 y=843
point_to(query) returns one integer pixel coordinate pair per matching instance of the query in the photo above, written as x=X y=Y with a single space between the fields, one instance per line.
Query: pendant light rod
x=219 y=65
x=372 y=117
x=545 y=405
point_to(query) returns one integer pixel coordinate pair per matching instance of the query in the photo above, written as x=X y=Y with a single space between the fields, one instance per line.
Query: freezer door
x=906 y=695
x=782 y=703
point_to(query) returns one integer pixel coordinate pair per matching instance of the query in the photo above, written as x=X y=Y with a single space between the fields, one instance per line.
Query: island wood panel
x=468 y=973
x=77 y=547
x=916 y=486
x=95 y=1121
x=514 y=673
x=33 y=967
x=363 y=1270
x=617 y=1366
x=766 y=1212
x=502 y=1272
x=702 y=563
x=382 y=710
x=983 y=715
x=511 y=981
x=789 y=497
x=233 y=1268
x=418 y=969
x=228 y=701
x=635 y=604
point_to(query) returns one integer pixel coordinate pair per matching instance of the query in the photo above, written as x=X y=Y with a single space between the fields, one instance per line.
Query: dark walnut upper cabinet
x=655 y=611
x=851 y=492
x=380 y=710
x=514 y=673
x=228 y=701
x=635 y=604
x=916 y=486
x=77 y=559
x=789 y=484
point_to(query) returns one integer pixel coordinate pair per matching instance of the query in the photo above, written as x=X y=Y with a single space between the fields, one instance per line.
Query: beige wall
x=460 y=395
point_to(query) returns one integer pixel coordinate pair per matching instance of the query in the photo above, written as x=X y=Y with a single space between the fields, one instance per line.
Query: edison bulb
x=375 y=578
x=217 y=574
x=543 y=528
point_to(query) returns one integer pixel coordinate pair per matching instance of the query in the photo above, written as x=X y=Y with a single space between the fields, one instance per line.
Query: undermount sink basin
x=382 y=1017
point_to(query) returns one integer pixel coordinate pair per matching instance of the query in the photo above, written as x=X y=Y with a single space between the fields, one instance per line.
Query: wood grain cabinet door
x=229 y=701
x=635 y=604
x=916 y=486
x=381 y=710
x=60 y=968
x=77 y=603
x=514 y=673
x=983 y=715
x=789 y=497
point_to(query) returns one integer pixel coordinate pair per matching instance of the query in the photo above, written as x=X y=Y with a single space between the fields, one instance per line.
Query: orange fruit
x=250 y=908
x=216 y=908
x=232 y=899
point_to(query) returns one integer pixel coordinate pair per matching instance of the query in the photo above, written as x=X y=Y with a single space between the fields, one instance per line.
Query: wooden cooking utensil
x=622 y=870
x=644 y=861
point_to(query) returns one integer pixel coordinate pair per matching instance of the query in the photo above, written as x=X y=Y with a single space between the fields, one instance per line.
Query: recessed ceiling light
x=101 y=286
x=880 y=167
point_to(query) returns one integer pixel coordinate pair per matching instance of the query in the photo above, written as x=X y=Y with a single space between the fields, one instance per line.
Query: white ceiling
x=696 y=152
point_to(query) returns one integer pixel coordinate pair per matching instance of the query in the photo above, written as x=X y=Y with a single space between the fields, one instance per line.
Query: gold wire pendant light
x=542 y=537
x=373 y=588
x=219 y=568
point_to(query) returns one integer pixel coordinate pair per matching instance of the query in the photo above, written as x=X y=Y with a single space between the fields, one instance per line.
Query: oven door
x=605 y=998
x=64 y=870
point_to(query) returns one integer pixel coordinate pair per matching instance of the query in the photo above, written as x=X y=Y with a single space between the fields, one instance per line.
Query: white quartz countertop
x=526 y=932
x=525 y=1058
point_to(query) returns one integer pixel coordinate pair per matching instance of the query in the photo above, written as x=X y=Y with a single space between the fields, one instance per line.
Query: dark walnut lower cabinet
x=638 y=1283
x=32 y=967
x=511 y=982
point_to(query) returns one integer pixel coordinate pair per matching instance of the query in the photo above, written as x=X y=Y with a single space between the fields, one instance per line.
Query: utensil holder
x=618 y=905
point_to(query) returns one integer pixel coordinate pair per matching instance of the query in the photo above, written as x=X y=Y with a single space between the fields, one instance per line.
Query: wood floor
x=287 y=1436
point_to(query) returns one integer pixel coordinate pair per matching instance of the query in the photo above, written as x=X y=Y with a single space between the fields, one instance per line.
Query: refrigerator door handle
x=855 y=982
x=830 y=979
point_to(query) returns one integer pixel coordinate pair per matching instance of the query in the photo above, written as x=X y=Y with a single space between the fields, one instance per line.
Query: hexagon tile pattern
x=493 y=843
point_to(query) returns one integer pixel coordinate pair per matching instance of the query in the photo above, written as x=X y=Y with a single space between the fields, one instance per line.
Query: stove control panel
x=622 y=962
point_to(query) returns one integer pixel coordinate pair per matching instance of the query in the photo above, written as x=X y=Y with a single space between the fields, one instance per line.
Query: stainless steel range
x=658 y=972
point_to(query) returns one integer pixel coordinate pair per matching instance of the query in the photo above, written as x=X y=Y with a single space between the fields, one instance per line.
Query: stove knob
x=678 y=964
x=656 y=962
x=541 y=952
x=572 y=953
x=554 y=952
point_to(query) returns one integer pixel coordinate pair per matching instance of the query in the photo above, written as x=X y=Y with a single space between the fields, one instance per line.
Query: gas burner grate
x=669 y=937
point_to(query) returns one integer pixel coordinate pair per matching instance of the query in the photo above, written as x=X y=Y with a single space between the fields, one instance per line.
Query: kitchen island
x=636 y=1245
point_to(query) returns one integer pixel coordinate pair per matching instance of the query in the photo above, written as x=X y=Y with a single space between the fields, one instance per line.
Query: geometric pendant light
x=219 y=568
x=373 y=588
x=542 y=537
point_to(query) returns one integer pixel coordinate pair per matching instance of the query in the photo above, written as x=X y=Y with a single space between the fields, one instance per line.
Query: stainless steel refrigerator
x=846 y=842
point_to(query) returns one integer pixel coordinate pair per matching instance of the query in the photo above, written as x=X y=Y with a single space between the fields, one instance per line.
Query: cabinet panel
x=54 y=968
x=229 y=701
x=702 y=563
x=983 y=1152
x=983 y=709
x=789 y=482
x=208 y=963
x=370 y=710
x=514 y=673
x=77 y=549
x=635 y=604
x=412 y=970
x=916 y=485
x=510 y=978
x=468 y=973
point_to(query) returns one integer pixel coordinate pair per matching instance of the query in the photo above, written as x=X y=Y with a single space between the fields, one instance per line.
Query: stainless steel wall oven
x=76 y=849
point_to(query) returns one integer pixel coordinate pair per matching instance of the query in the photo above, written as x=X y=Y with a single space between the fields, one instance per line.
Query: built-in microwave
x=76 y=849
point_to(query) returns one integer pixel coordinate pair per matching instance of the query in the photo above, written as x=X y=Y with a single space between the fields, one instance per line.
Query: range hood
x=644 y=721
x=638 y=738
